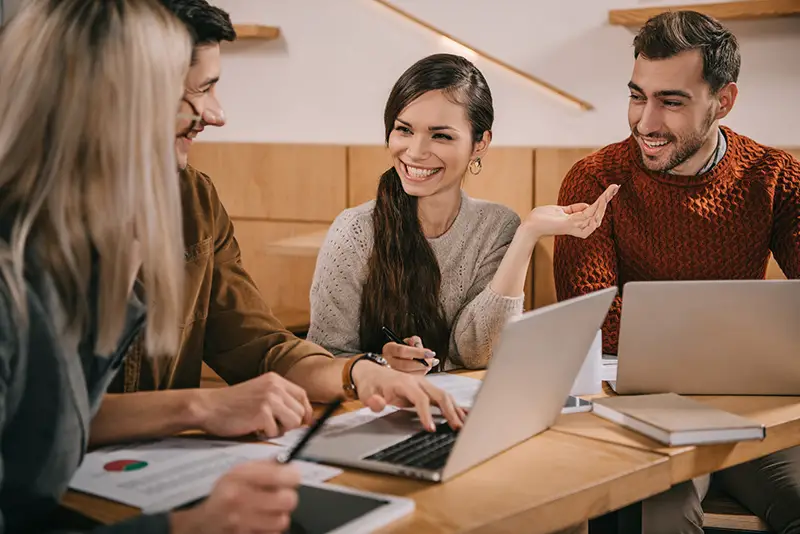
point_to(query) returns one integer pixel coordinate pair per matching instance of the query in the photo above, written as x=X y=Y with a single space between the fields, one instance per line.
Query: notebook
x=675 y=420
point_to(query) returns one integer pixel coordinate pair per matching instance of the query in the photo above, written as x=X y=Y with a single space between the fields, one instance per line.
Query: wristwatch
x=348 y=384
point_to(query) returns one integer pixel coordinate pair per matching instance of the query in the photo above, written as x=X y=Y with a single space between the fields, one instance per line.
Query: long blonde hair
x=89 y=92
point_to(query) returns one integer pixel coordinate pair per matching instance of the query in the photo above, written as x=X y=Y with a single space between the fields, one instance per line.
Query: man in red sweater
x=696 y=201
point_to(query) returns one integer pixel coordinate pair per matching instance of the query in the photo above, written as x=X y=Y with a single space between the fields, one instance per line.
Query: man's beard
x=686 y=146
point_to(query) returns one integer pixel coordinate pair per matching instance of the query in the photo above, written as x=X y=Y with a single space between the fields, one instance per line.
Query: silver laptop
x=535 y=362
x=721 y=337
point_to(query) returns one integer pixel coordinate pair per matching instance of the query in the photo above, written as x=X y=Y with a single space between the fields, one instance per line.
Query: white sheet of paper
x=462 y=388
x=333 y=425
x=161 y=475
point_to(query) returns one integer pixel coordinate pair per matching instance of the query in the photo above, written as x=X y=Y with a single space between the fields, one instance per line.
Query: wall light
x=471 y=52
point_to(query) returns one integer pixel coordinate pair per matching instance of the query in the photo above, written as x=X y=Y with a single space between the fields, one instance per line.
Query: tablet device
x=332 y=509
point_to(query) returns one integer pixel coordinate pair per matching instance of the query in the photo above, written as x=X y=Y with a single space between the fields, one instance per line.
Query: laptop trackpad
x=368 y=438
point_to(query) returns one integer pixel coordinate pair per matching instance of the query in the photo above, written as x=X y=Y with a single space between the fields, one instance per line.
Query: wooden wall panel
x=507 y=176
x=365 y=166
x=284 y=281
x=275 y=181
x=551 y=165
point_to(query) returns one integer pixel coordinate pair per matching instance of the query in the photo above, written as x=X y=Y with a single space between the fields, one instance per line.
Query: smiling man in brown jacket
x=272 y=374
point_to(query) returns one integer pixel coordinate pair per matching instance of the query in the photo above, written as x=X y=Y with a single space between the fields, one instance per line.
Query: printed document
x=462 y=388
x=161 y=475
x=333 y=425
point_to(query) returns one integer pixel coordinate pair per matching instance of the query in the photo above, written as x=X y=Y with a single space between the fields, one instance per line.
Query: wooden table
x=581 y=468
x=550 y=482
x=780 y=415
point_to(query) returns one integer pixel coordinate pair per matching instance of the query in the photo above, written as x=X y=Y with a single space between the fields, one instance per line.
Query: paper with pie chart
x=120 y=466
x=161 y=475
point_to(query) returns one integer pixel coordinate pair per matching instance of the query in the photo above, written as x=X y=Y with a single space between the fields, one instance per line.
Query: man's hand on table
x=268 y=404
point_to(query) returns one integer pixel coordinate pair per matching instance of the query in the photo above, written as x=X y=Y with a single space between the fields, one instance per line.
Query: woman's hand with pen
x=401 y=353
x=410 y=357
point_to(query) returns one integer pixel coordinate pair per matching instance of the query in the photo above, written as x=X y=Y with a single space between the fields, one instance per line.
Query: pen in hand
x=394 y=337
x=288 y=456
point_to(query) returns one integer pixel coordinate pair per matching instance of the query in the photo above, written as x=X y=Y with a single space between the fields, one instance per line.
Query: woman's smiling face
x=431 y=145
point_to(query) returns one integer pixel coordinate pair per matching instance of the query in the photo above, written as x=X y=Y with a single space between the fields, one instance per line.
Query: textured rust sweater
x=720 y=225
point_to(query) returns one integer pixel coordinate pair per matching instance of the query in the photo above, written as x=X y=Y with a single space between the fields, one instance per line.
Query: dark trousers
x=769 y=487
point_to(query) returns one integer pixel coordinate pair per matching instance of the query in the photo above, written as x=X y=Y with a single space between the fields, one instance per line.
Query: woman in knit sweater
x=440 y=269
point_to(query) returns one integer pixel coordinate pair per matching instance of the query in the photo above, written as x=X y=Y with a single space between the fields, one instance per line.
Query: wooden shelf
x=256 y=32
x=742 y=10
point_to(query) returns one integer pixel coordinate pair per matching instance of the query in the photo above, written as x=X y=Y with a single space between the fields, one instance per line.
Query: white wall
x=326 y=80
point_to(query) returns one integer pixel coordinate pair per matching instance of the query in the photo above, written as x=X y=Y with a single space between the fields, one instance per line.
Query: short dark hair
x=673 y=32
x=207 y=24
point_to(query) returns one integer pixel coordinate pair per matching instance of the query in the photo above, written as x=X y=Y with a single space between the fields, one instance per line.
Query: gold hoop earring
x=475 y=166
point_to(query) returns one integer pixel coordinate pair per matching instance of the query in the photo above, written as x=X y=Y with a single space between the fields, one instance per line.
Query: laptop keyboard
x=426 y=450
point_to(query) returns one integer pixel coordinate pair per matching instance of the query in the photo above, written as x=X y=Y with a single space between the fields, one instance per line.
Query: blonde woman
x=89 y=99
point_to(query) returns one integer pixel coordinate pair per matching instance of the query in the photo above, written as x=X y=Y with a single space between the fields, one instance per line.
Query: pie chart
x=124 y=465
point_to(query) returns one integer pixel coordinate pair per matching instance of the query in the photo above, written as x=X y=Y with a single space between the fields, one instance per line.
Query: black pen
x=285 y=458
x=394 y=337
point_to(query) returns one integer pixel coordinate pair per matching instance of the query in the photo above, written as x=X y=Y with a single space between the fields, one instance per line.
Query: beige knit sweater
x=468 y=255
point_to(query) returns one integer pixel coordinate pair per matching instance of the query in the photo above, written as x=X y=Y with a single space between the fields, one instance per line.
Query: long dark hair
x=403 y=280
